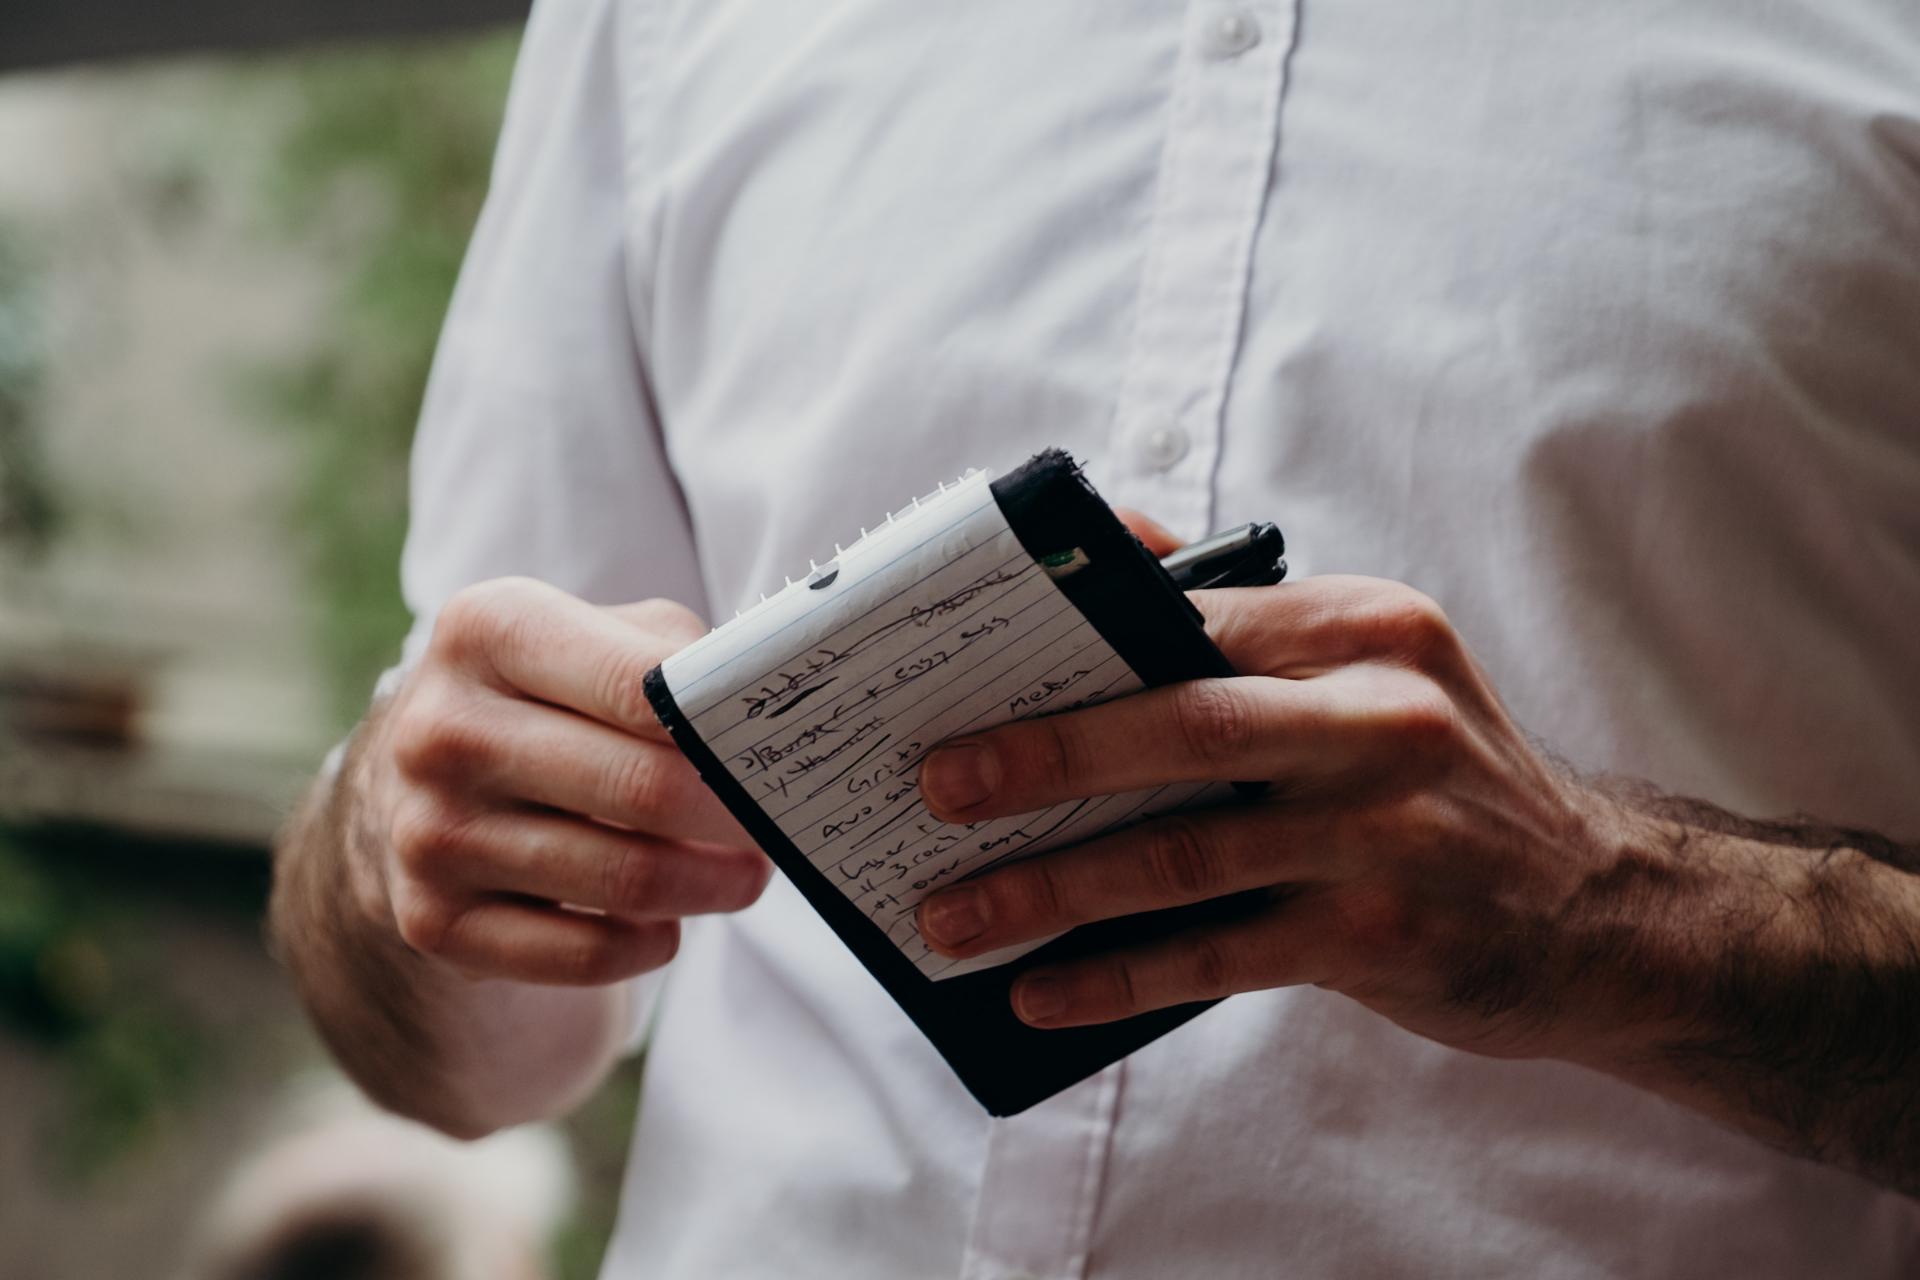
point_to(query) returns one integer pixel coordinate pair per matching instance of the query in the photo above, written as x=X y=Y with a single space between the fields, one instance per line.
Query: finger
x=1286 y=945
x=586 y=864
x=527 y=942
x=1167 y=862
x=1305 y=628
x=644 y=786
x=544 y=755
x=1244 y=729
x=1157 y=537
x=539 y=641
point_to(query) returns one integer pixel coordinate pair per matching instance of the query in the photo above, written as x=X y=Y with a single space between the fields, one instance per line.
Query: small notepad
x=822 y=701
x=809 y=715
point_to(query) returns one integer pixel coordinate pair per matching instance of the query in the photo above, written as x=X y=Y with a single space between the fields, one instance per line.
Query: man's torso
x=1601 y=324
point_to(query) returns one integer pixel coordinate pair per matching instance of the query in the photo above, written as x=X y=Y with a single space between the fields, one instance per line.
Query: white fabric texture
x=1599 y=323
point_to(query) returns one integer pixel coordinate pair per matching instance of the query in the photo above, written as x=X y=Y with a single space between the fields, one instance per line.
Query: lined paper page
x=823 y=700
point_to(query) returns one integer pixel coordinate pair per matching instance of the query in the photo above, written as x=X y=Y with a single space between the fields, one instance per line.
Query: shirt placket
x=1215 y=170
x=1040 y=1187
x=1041 y=1184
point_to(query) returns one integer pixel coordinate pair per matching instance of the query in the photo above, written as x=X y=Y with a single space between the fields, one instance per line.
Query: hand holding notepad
x=809 y=715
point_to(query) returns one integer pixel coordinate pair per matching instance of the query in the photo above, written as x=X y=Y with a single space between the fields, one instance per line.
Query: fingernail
x=1039 y=999
x=959 y=776
x=956 y=917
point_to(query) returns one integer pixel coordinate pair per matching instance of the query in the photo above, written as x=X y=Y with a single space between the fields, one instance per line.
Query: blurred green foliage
x=36 y=928
x=598 y=1132
x=130 y=1060
x=382 y=174
x=395 y=146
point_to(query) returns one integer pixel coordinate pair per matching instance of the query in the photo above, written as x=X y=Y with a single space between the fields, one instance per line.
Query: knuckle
x=1182 y=862
x=1120 y=983
x=413 y=750
x=1426 y=720
x=457 y=628
x=501 y=616
x=619 y=686
x=1059 y=750
x=425 y=837
x=1413 y=625
x=436 y=742
x=1379 y=925
x=472 y=616
x=424 y=922
x=638 y=784
x=583 y=962
x=632 y=879
x=1212 y=964
x=1213 y=720
x=594 y=959
x=1031 y=891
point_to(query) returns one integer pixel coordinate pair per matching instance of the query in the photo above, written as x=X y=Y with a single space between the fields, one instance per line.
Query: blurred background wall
x=222 y=266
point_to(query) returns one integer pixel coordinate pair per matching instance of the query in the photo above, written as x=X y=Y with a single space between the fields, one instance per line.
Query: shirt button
x=1161 y=447
x=1229 y=35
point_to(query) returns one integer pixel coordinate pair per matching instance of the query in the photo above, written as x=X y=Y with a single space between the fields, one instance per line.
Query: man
x=1595 y=324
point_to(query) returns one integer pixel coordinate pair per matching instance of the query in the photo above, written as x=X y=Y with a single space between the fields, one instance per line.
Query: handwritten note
x=823 y=700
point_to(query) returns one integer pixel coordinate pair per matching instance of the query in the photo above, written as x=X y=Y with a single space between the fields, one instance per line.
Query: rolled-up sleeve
x=538 y=451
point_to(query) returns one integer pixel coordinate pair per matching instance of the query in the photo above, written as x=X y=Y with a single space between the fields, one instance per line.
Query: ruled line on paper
x=823 y=702
x=826 y=663
x=756 y=701
x=764 y=622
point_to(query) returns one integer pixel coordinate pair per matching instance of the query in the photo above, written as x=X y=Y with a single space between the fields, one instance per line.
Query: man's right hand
x=532 y=819
x=510 y=834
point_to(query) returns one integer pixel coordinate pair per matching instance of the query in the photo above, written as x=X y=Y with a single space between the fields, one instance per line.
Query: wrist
x=1705 y=941
x=1639 y=943
x=360 y=808
x=330 y=914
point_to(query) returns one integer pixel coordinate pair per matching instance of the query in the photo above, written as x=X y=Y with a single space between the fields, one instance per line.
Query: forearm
x=463 y=1055
x=1779 y=989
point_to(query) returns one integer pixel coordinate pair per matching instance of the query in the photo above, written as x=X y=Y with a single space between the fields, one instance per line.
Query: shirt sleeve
x=538 y=451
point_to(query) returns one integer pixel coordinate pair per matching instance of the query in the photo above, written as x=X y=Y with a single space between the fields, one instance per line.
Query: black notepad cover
x=1138 y=610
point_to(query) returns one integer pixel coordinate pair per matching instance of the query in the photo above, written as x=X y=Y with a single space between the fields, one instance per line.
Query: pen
x=1251 y=555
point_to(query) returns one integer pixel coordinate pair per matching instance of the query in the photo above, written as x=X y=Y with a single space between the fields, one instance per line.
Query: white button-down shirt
x=1598 y=322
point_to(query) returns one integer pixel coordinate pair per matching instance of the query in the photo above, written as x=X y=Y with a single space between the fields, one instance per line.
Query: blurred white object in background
x=343 y=1191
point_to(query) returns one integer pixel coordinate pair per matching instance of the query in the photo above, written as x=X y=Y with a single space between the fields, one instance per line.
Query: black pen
x=1252 y=555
